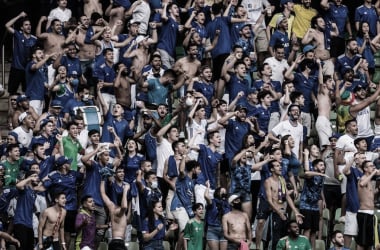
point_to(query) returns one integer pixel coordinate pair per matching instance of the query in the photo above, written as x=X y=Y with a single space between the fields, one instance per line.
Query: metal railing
x=2 y=83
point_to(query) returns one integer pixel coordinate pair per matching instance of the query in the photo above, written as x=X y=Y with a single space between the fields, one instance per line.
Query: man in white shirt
x=278 y=64
x=62 y=13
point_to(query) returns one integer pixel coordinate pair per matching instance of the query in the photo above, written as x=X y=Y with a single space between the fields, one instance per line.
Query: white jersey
x=164 y=150
x=285 y=128
x=278 y=68
x=363 y=119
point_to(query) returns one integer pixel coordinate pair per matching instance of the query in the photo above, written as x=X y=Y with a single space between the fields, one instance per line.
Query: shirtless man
x=325 y=92
x=115 y=13
x=52 y=223
x=92 y=6
x=141 y=55
x=123 y=86
x=189 y=65
x=320 y=37
x=53 y=42
x=118 y=217
x=365 y=215
x=278 y=198
x=236 y=225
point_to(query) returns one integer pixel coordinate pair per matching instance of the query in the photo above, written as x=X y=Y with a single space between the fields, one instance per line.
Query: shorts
x=182 y=217
x=324 y=130
x=199 y=191
x=351 y=224
x=376 y=129
x=169 y=200
x=166 y=59
x=333 y=195
x=215 y=234
x=365 y=229
x=117 y=244
x=70 y=221
x=245 y=197
x=16 y=77
x=37 y=105
x=311 y=220
x=263 y=209
x=306 y=121
x=233 y=246
x=262 y=42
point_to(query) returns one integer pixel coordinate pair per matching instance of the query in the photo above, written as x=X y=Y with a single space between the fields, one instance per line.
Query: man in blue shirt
x=349 y=59
x=37 y=81
x=236 y=82
x=337 y=13
x=23 y=41
x=107 y=75
x=65 y=180
x=23 y=219
x=280 y=36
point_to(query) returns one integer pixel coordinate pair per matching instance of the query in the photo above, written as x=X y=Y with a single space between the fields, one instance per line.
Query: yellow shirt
x=273 y=23
x=302 y=19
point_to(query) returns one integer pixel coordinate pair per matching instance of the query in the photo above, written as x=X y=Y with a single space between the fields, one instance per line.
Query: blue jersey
x=209 y=161
x=208 y=91
x=311 y=193
x=131 y=165
x=235 y=85
x=115 y=191
x=121 y=128
x=215 y=211
x=280 y=38
x=168 y=37
x=106 y=73
x=6 y=197
x=235 y=131
x=126 y=61
x=25 y=207
x=150 y=143
x=64 y=94
x=46 y=166
x=307 y=87
x=251 y=108
x=276 y=86
x=367 y=52
x=184 y=194
x=352 y=196
x=72 y=65
x=369 y=15
x=224 y=44
x=241 y=179
x=344 y=61
x=160 y=235
x=235 y=31
x=172 y=167
x=66 y=183
x=22 y=49
x=339 y=16
x=263 y=116
x=35 y=82
x=52 y=140
x=92 y=182
x=246 y=44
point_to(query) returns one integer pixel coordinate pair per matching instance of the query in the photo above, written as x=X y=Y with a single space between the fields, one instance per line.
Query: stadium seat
x=103 y=246
x=339 y=226
x=338 y=213
x=320 y=245
x=326 y=214
x=133 y=245
x=166 y=245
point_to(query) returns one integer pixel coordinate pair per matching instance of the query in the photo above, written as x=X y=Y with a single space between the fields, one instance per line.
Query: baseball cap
x=56 y=104
x=22 y=116
x=232 y=198
x=285 y=2
x=358 y=87
x=21 y=98
x=44 y=122
x=308 y=48
x=240 y=107
x=347 y=69
x=63 y=160
x=133 y=21
x=245 y=25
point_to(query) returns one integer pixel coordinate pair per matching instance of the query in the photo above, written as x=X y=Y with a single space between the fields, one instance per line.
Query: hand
x=126 y=187
x=181 y=28
x=217 y=32
x=59 y=137
x=160 y=226
x=300 y=58
x=306 y=152
x=43 y=18
x=282 y=216
x=119 y=23
x=100 y=85
x=22 y=14
x=240 y=94
x=208 y=184
x=299 y=218
x=173 y=226
x=153 y=25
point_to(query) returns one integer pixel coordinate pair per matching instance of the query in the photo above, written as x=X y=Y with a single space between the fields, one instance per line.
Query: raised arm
x=38 y=29
x=11 y=22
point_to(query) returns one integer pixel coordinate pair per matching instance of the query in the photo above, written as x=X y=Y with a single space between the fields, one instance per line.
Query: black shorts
x=70 y=221
x=365 y=229
x=311 y=220
x=117 y=244
x=224 y=166
x=263 y=210
x=333 y=195
x=16 y=78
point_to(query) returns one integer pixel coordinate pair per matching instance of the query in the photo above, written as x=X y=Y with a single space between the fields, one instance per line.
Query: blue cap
x=63 y=160
x=56 y=103
x=21 y=98
x=308 y=48
x=285 y=2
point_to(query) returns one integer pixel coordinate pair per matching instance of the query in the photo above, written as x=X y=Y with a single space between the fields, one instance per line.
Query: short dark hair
x=294 y=95
x=347 y=123
x=262 y=94
x=190 y=165
x=196 y=206
x=316 y=161
x=107 y=50
x=210 y=135
x=58 y=194
x=85 y=198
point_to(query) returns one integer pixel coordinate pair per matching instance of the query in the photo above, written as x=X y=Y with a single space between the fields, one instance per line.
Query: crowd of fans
x=206 y=124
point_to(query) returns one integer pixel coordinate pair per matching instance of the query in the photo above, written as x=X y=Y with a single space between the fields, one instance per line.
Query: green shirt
x=11 y=172
x=301 y=243
x=193 y=233
x=71 y=148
